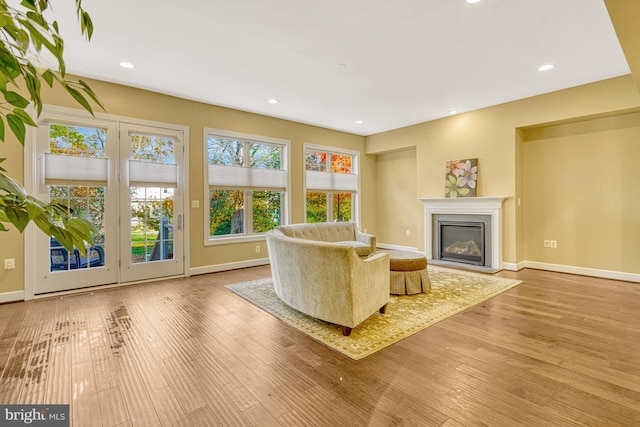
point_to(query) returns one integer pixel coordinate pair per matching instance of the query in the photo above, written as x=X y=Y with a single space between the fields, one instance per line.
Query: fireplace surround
x=482 y=214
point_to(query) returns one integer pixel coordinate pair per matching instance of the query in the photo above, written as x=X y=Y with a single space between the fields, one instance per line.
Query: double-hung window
x=331 y=180
x=246 y=184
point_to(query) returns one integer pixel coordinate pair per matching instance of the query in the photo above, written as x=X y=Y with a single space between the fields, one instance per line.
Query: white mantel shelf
x=468 y=206
x=465 y=203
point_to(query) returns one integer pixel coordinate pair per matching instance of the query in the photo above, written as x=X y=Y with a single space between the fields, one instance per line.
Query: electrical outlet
x=547 y=243
x=257 y=248
x=408 y=232
x=9 y=264
x=553 y=244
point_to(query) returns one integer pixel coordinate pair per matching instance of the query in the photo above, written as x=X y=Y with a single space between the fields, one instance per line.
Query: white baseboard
x=396 y=247
x=11 y=296
x=228 y=266
x=583 y=271
x=513 y=267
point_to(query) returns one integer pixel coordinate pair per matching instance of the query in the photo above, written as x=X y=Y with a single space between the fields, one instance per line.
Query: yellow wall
x=393 y=189
x=11 y=245
x=581 y=189
x=135 y=103
x=493 y=136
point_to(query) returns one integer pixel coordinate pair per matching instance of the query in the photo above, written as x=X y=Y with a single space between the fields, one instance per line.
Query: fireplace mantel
x=466 y=206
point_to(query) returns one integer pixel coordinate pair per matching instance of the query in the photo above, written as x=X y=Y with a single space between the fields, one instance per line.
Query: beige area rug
x=452 y=291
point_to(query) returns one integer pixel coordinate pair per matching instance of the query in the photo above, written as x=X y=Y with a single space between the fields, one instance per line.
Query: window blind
x=61 y=169
x=241 y=177
x=146 y=173
x=329 y=181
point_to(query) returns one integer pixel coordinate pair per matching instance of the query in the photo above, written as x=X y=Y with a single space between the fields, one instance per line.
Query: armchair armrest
x=367 y=239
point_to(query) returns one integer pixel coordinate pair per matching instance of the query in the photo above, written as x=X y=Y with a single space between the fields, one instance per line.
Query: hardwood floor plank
x=113 y=409
x=169 y=411
x=182 y=383
x=85 y=401
x=258 y=416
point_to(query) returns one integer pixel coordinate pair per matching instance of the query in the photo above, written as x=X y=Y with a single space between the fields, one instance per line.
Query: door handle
x=179 y=222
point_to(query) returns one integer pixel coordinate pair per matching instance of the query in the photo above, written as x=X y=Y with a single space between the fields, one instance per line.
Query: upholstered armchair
x=328 y=280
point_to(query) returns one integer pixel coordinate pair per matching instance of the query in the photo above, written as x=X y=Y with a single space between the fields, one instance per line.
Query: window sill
x=235 y=239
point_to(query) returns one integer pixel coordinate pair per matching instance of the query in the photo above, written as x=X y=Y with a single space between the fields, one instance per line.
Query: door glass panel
x=151 y=148
x=82 y=202
x=151 y=224
x=77 y=141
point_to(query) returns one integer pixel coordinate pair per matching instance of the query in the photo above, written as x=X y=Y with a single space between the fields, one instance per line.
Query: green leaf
x=10 y=186
x=10 y=67
x=26 y=118
x=29 y=4
x=16 y=99
x=48 y=77
x=79 y=98
x=18 y=217
x=86 y=24
x=1 y=130
x=33 y=208
x=17 y=127
x=91 y=93
x=464 y=191
x=33 y=86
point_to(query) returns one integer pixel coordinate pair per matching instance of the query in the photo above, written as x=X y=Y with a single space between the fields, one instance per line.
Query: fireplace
x=464 y=232
x=462 y=241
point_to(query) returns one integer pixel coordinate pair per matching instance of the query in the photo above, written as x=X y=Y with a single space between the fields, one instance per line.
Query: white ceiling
x=389 y=63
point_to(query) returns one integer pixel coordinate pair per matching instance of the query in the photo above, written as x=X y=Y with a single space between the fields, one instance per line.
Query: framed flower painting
x=461 y=178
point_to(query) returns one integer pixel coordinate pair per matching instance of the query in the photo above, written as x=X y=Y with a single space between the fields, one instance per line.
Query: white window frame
x=339 y=183
x=248 y=235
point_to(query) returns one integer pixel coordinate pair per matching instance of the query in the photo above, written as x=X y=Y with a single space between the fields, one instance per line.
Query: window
x=331 y=184
x=246 y=184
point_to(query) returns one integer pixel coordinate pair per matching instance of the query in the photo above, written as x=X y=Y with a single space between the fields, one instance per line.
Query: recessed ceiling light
x=452 y=112
x=125 y=64
x=358 y=122
x=473 y=1
x=545 y=67
x=272 y=101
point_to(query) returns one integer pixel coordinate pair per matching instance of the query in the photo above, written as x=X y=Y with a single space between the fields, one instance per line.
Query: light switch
x=195 y=203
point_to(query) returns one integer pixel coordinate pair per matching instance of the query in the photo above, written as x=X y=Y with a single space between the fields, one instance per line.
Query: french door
x=151 y=217
x=126 y=180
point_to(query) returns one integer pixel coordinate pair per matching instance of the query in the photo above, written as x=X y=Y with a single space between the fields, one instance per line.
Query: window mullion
x=248 y=212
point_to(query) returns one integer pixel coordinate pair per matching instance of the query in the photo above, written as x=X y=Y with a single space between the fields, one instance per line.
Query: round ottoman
x=408 y=273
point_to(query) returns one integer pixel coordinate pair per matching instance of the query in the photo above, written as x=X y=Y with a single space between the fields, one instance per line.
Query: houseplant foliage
x=26 y=35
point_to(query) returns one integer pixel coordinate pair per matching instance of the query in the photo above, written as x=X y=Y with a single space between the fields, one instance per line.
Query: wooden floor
x=557 y=350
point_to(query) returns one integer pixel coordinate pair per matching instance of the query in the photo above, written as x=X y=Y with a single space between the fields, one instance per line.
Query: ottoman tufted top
x=406 y=261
